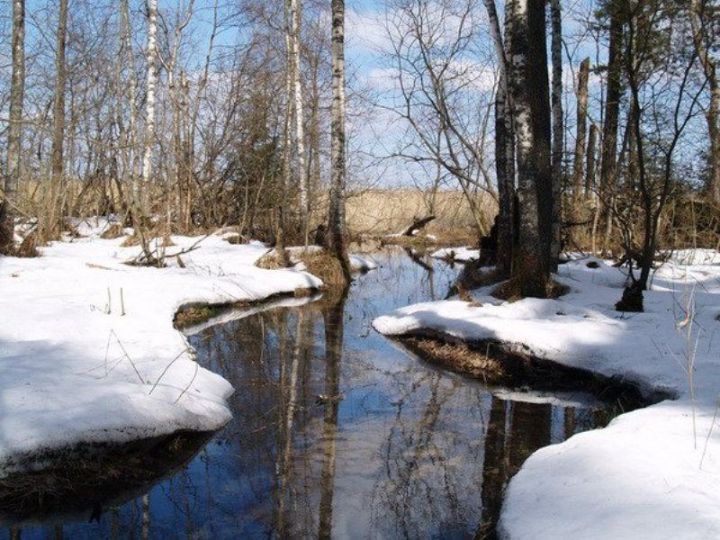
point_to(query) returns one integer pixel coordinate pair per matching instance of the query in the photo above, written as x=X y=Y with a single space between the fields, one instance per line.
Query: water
x=337 y=431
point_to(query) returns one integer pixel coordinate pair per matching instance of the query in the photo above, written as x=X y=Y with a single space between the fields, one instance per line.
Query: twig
x=166 y=369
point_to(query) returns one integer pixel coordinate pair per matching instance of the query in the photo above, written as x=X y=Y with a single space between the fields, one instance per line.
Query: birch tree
x=336 y=214
x=149 y=141
x=295 y=7
x=14 y=138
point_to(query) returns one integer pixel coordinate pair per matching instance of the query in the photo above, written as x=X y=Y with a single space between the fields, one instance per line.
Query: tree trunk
x=151 y=59
x=608 y=162
x=558 y=131
x=579 y=158
x=333 y=321
x=295 y=7
x=336 y=217
x=53 y=223
x=699 y=26
x=590 y=170
x=130 y=138
x=531 y=111
x=14 y=137
x=506 y=191
x=504 y=154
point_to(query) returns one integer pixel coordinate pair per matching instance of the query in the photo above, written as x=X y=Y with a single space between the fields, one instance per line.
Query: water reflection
x=337 y=432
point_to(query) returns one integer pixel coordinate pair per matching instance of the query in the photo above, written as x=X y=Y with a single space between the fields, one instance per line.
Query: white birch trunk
x=151 y=59
x=336 y=221
x=295 y=18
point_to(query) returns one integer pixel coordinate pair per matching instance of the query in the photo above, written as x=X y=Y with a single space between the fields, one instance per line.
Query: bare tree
x=53 y=221
x=336 y=215
x=590 y=166
x=581 y=131
x=528 y=78
x=558 y=130
x=14 y=138
x=504 y=148
x=608 y=161
x=429 y=47
x=295 y=16
x=705 y=39
x=149 y=140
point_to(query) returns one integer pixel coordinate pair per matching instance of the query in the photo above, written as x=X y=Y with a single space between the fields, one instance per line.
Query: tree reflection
x=333 y=316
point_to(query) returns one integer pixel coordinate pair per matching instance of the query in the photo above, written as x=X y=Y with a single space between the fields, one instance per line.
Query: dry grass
x=28 y=247
x=325 y=266
x=135 y=239
x=511 y=290
x=386 y=211
x=190 y=315
x=115 y=230
x=269 y=261
x=319 y=263
x=457 y=357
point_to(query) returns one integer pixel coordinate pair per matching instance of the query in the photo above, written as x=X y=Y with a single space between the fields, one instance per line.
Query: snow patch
x=653 y=472
x=88 y=349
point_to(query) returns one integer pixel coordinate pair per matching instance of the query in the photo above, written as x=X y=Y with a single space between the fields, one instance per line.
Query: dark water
x=337 y=432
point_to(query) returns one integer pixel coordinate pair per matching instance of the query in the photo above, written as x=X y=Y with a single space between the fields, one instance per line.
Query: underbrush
x=319 y=263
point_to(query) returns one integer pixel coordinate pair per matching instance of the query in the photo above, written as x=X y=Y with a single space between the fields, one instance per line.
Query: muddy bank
x=195 y=313
x=511 y=365
x=85 y=480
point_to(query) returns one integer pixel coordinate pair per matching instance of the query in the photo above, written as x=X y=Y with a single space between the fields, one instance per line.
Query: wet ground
x=337 y=432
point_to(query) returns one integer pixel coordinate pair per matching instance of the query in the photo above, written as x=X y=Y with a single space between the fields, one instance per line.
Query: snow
x=647 y=475
x=76 y=370
x=461 y=254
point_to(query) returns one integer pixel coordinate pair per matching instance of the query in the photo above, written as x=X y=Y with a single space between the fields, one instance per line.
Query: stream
x=337 y=432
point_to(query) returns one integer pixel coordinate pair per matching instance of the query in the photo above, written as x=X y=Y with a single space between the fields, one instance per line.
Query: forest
x=375 y=268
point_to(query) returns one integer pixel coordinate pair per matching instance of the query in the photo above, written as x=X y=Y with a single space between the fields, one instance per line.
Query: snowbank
x=461 y=254
x=76 y=370
x=647 y=475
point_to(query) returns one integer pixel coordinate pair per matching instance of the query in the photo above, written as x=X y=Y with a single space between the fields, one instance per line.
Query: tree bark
x=53 y=224
x=17 y=91
x=151 y=59
x=295 y=7
x=528 y=77
x=336 y=217
x=698 y=24
x=130 y=136
x=558 y=131
x=608 y=162
x=504 y=153
x=590 y=169
x=581 y=132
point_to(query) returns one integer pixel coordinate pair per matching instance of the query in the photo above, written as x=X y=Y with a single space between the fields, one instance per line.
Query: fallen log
x=417 y=225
